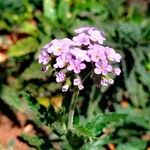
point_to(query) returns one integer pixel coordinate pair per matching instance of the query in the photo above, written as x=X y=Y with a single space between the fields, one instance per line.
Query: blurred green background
x=26 y=25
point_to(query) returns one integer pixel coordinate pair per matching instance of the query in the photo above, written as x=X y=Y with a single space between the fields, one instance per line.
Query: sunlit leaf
x=94 y=126
x=9 y=96
x=23 y=47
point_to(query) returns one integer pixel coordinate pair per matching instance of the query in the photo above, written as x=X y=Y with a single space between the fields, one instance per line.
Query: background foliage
x=26 y=25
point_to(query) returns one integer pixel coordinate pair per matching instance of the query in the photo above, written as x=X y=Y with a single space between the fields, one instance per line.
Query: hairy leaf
x=36 y=141
x=23 y=47
x=94 y=126
x=9 y=96
x=36 y=74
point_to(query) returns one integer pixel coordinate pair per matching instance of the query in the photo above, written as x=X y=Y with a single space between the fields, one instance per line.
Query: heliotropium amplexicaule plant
x=73 y=60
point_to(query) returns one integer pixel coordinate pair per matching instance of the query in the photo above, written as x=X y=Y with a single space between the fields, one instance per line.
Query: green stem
x=73 y=104
x=72 y=108
x=86 y=76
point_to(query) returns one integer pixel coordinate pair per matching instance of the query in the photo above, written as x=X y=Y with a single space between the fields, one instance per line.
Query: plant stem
x=72 y=108
x=86 y=76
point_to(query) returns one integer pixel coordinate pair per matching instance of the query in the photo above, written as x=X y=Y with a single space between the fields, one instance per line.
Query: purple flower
x=77 y=82
x=51 y=47
x=117 y=71
x=80 y=54
x=62 y=60
x=43 y=57
x=117 y=57
x=80 y=87
x=104 y=82
x=112 y=55
x=111 y=81
x=45 y=68
x=85 y=48
x=59 y=46
x=96 y=36
x=96 y=52
x=81 y=39
x=76 y=65
x=65 y=88
x=60 y=77
x=102 y=67
x=81 y=30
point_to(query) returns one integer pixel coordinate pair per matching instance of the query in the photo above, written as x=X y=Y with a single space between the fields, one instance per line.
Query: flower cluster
x=70 y=57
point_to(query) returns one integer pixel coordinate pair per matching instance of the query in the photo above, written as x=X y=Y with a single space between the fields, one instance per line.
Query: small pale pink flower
x=117 y=57
x=104 y=82
x=81 y=30
x=111 y=81
x=80 y=87
x=112 y=55
x=43 y=57
x=76 y=65
x=45 y=68
x=81 y=39
x=59 y=46
x=117 y=71
x=77 y=82
x=61 y=61
x=80 y=54
x=60 y=76
x=96 y=52
x=102 y=67
x=96 y=36
x=65 y=88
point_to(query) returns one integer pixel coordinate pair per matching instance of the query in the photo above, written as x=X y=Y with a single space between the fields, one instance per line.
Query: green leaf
x=34 y=109
x=95 y=145
x=9 y=96
x=33 y=140
x=63 y=10
x=95 y=125
x=29 y=74
x=4 y=26
x=131 y=84
x=37 y=141
x=136 y=91
x=142 y=95
x=23 y=47
x=76 y=141
x=115 y=8
x=135 y=144
x=28 y=28
x=59 y=128
x=42 y=115
x=144 y=75
x=135 y=116
x=49 y=9
x=130 y=32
